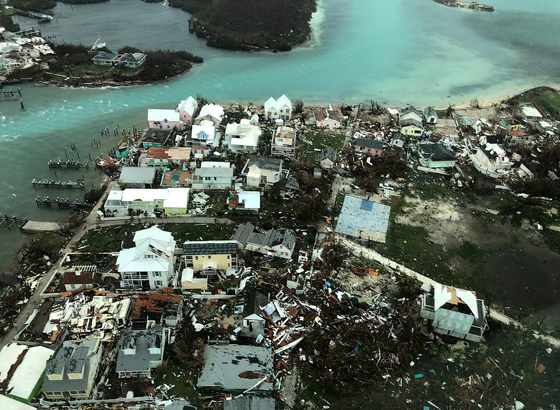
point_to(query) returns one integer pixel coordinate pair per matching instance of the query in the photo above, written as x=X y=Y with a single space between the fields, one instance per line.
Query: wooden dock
x=69 y=164
x=61 y=203
x=52 y=183
x=37 y=226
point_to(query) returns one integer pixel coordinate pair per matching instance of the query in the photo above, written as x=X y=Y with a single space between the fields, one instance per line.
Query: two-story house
x=435 y=155
x=491 y=159
x=140 y=351
x=203 y=133
x=165 y=157
x=71 y=373
x=274 y=242
x=369 y=146
x=242 y=137
x=211 y=112
x=150 y=263
x=164 y=119
x=278 y=109
x=262 y=170
x=186 y=109
x=212 y=176
x=171 y=201
x=204 y=260
x=330 y=118
x=284 y=142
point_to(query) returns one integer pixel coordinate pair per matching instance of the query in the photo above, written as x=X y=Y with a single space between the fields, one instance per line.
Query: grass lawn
x=183 y=383
x=549 y=101
x=89 y=68
x=199 y=232
x=318 y=140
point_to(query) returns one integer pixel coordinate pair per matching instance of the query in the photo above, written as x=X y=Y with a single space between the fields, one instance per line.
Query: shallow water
x=398 y=51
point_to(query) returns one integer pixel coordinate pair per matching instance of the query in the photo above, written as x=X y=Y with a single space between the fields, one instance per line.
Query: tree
x=298 y=107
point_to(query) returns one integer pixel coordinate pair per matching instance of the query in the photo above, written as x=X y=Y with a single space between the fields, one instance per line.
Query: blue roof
x=362 y=218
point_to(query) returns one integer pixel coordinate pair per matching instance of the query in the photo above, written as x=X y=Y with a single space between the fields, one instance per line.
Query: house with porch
x=71 y=373
x=132 y=60
x=203 y=133
x=454 y=312
x=274 y=242
x=105 y=58
x=210 y=256
x=149 y=265
x=278 y=109
x=262 y=171
x=212 y=176
x=284 y=142
x=170 y=201
x=435 y=155
x=410 y=113
x=164 y=119
x=369 y=146
x=211 y=112
x=186 y=109
x=140 y=351
x=242 y=137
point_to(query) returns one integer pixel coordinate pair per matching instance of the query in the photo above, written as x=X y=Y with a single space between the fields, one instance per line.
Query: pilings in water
x=61 y=203
x=52 y=183
x=69 y=164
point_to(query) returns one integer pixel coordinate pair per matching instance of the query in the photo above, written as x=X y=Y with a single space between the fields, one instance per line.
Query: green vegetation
x=318 y=140
x=546 y=98
x=33 y=4
x=250 y=24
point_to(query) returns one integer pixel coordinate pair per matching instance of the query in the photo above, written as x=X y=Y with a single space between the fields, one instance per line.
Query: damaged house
x=491 y=160
x=262 y=171
x=435 y=155
x=455 y=312
x=284 y=142
x=363 y=219
x=157 y=309
x=140 y=351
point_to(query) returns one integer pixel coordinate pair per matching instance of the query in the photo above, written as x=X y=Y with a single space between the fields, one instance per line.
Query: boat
x=97 y=45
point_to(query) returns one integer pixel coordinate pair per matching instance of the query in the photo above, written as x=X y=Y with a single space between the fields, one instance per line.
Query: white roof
x=115 y=195
x=531 y=112
x=443 y=294
x=189 y=105
x=251 y=199
x=144 y=195
x=162 y=115
x=277 y=104
x=213 y=110
x=214 y=164
x=206 y=126
x=11 y=404
x=177 y=198
x=8 y=356
x=152 y=233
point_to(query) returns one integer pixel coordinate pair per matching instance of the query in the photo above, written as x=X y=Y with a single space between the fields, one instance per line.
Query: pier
x=54 y=183
x=61 y=203
x=10 y=221
x=26 y=226
x=68 y=164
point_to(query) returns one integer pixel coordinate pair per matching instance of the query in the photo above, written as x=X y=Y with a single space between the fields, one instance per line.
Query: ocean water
x=396 y=52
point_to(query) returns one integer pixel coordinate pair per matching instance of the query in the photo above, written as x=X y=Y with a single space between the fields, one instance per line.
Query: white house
x=164 y=119
x=244 y=201
x=435 y=155
x=329 y=118
x=284 y=142
x=186 y=109
x=211 y=112
x=262 y=170
x=430 y=115
x=491 y=159
x=140 y=351
x=212 y=176
x=279 y=243
x=149 y=264
x=204 y=133
x=278 y=109
x=410 y=113
x=171 y=201
x=242 y=137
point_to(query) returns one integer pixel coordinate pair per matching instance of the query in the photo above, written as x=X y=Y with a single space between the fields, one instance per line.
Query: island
x=471 y=5
x=249 y=25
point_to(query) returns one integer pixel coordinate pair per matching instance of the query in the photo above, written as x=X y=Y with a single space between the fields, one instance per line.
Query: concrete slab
x=37 y=226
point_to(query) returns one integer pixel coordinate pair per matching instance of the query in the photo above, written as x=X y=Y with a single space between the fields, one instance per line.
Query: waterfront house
x=244 y=201
x=327 y=157
x=274 y=242
x=329 y=118
x=212 y=176
x=411 y=127
x=210 y=256
x=430 y=115
x=149 y=264
x=369 y=146
x=233 y=368
x=435 y=155
x=410 y=113
x=135 y=177
x=262 y=170
x=132 y=60
x=203 y=133
x=71 y=373
x=76 y=279
x=21 y=371
x=454 y=312
x=157 y=309
x=211 y=112
x=284 y=142
x=186 y=109
x=242 y=137
x=278 y=109
x=140 y=351
x=491 y=160
x=171 y=201
x=164 y=119
x=105 y=58
x=166 y=157
x=9 y=65
x=154 y=137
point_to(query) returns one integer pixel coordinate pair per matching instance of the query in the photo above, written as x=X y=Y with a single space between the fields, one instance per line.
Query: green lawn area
x=199 y=232
x=89 y=68
x=549 y=101
x=318 y=140
x=181 y=379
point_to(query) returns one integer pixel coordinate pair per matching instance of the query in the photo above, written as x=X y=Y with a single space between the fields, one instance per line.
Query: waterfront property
x=242 y=137
x=369 y=146
x=278 y=109
x=157 y=138
x=71 y=373
x=435 y=155
x=186 y=109
x=231 y=368
x=135 y=177
x=212 y=176
x=284 y=142
x=171 y=201
x=105 y=58
x=21 y=370
x=491 y=160
x=149 y=264
x=132 y=60
x=329 y=118
x=211 y=112
x=140 y=351
x=410 y=113
x=166 y=157
x=455 y=312
x=430 y=115
x=164 y=119
x=363 y=219
x=262 y=171
x=204 y=133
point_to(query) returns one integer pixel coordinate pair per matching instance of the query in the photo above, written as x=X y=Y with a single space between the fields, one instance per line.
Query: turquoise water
x=397 y=51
